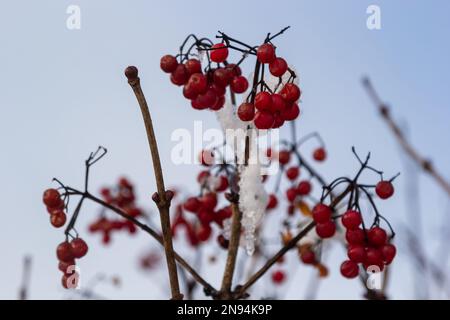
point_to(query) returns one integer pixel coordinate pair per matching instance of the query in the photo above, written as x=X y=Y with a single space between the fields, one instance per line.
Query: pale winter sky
x=63 y=93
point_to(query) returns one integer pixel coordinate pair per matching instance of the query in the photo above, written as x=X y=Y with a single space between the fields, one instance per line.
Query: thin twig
x=23 y=292
x=408 y=148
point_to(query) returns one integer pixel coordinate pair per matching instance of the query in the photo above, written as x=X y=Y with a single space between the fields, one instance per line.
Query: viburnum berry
x=180 y=75
x=203 y=176
x=291 y=112
x=278 y=120
x=204 y=232
x=58 y=218
x=356 y=253
x=384 y=189
x=246 y=111
x=51 y=198
x=321 y=213
x=319 y=154
x=189 y=92
x=349 y=269
x=219 y=103
x=239 y=84
x=198 y=83
x=304 y=188
x=219 y=52
x=292 y=173
x=235 y=69
x=219 y=90
x=209 y=201
x=373 y=257
x=205 y=215
x=64 y=252
x=278 y=277
x=265 y=53
x=351 y=219
x=193 y=66
x=290 y=92
x=326 y=229
x=263 y=120
x=356 y=236
x=388 y=252
x=273 y=202
x=131 y=73
x=222 y=77
x=79 y=247
x=168 y=64
x=278 y=103
x=206 y=157
x=207 y=99
x=377 y=236
x=291 y=194
x=291 y=209
x=222 y=184
x=308 y=257
x=263 y=101
x=192 y=204
x=284 y=156
x=278 y=67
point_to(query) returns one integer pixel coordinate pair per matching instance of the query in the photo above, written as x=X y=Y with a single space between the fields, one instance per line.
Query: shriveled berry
x=263 y=101
x=321 y=213
x=351 y=219
x=304 y=188
x=377 y=236
x=265 y=53
x=239 y=84
x=349 y=269
x=131 y=73
x=326 y=229
x=384 y=189
x=219 y=52
x=246 y=111
x=79 y=247
x=168 y=63
x=263 y=120
x=278 y=67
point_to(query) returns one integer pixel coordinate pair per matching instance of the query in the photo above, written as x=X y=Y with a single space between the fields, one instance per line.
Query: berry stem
x=162 y=202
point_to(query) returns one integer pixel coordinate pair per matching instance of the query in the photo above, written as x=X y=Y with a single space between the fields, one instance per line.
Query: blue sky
x=63 y=93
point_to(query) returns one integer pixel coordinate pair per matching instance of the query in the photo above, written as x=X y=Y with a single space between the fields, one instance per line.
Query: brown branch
x=291 y=244
x=407 y=147
x=209 y=289
x=161 y=200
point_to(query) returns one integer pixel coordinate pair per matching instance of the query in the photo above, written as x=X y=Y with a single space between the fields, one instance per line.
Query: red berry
x=193 y=66
x=131 y=73
x=180 y=75
x=356 y=253
x=265 y=53
x=219 y=52
x=219 y=103
x=278 y=67
x=58 y=218
x=168 y=63
x=63 y=266
x=246 y=111
x=278 y=277
x=205 y=215
x=79 y=247
x=219 y=90
x=292 y=173
x=189 y=92
x=278 y=120
x=388 y=252
x=351 y=219
x=207 y=99
x=203 y=176
x=326 y=229
x=209 y=201
x=308 y=257
x=206 y=157
x=349 y=269
x=290 y=112
x=273 y=202
x=319 y=154
x=278 y=103
x=284 y=156
x=304 y=188
x=222 y=185
x=263 y=120
x=239 y=84
x=384 y=189
x=204 y=232
x=235 y=68
x=64 y=252
x=222 y=77
x=198 y=83
x=291 y=194
x=373 y=257
x=321 y=213
x=356 y=236
x=263 y=101
x=192 y=204
x=290 y=92
x=52 y=198
x=377 y=236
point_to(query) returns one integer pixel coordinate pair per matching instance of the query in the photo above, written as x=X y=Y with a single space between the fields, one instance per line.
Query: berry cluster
x=121 y=196
x=67 y=252
x=55 y=207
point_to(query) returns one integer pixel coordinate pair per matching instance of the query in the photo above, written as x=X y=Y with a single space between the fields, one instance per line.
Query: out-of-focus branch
x=408 y=148
x=23 y=292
